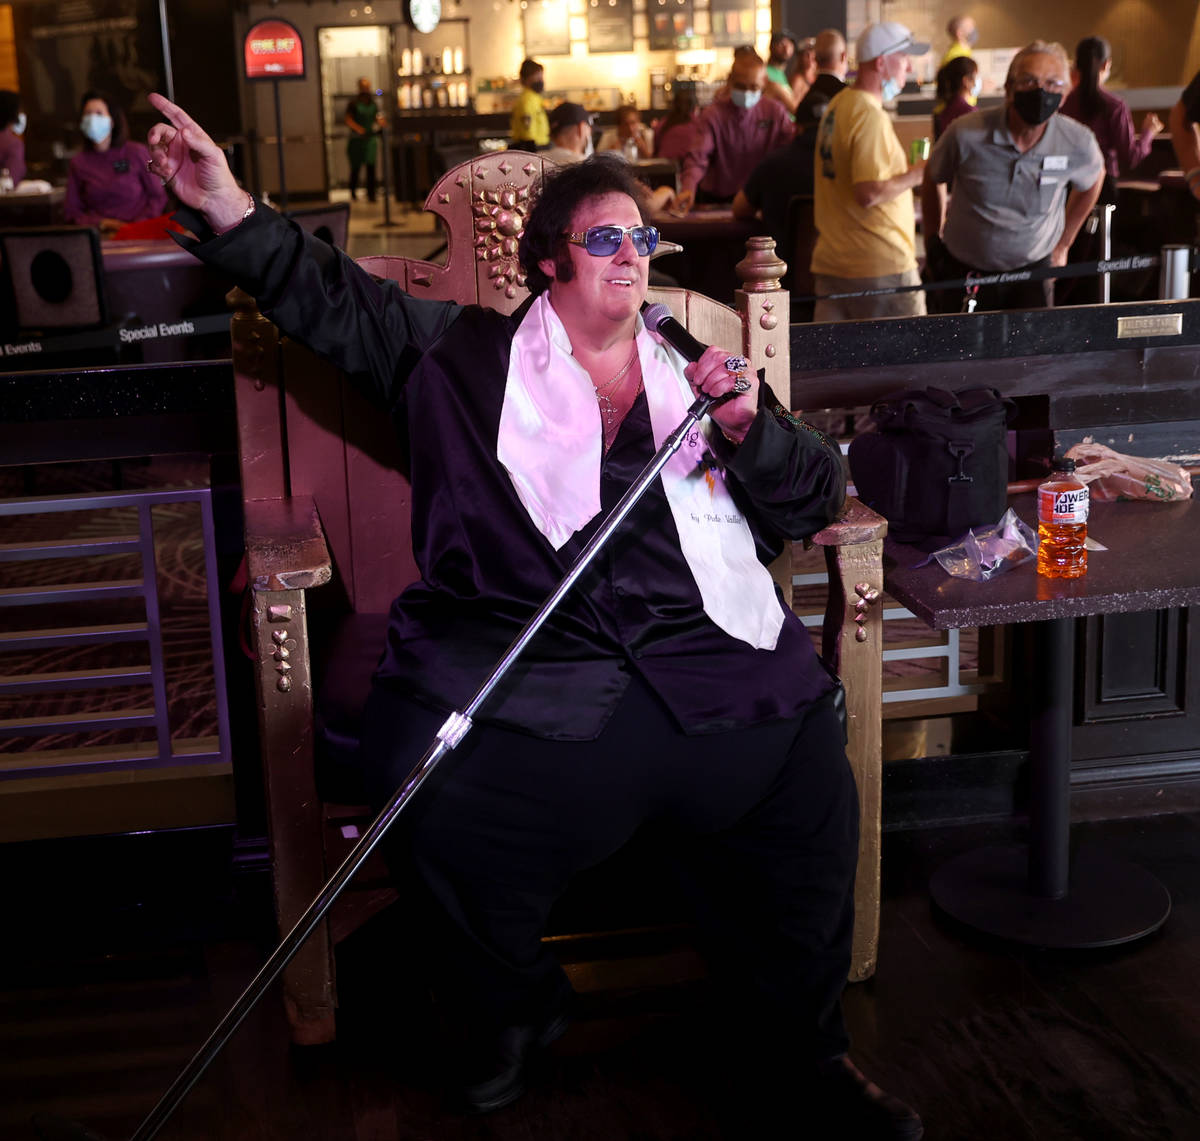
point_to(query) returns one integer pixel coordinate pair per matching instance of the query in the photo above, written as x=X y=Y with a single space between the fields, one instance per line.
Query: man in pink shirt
x=733 y=135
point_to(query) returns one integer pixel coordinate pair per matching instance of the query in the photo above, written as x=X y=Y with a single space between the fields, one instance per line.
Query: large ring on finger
x=741 y=385
x=150 y=165
x=736 y=364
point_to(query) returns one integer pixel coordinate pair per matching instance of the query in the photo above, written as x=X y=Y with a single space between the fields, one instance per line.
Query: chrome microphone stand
x=453 y=731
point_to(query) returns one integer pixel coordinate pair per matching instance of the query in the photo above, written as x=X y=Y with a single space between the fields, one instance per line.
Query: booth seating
x=54 y=278
x=324 y=500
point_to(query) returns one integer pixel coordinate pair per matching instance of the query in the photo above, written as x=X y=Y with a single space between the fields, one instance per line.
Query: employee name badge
x=1054 y=162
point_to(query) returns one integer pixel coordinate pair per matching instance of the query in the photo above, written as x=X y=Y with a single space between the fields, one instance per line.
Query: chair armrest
x=856 y=523
x=285 y=546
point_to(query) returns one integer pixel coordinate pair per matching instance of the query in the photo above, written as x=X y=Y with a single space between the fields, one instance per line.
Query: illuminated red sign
x=274 y=50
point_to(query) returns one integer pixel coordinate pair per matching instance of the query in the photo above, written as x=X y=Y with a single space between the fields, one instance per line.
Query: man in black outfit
x=672 y=686
x=830 y=51
x=1185 y=134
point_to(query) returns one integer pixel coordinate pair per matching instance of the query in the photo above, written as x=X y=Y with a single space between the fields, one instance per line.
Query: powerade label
x=1065 y=505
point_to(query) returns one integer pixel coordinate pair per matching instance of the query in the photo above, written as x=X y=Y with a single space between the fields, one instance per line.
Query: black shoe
x=497 y=1077
x=858 y=1108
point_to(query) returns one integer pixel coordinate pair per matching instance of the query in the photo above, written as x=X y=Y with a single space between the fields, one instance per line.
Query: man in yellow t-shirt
x=862 y=188
x=530 y=126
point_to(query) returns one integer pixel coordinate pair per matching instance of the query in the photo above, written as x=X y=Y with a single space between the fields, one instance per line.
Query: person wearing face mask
x=529 y=125
x=1022 y=178
x=958 y=84
x=963 y=38
x=862 y=188
x=12 y=127
x=109 y=182
x=732 y=136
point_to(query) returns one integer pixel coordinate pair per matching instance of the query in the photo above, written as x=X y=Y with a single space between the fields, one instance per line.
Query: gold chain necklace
x=603 y=394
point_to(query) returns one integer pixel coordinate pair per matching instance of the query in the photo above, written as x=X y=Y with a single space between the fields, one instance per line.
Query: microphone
x=658 y=318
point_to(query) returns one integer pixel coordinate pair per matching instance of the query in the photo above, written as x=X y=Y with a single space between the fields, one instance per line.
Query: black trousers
x=942 y=265
x=369 y=167
x=767 y=818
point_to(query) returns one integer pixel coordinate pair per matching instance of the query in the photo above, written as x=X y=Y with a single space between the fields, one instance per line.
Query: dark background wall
x=68 y=47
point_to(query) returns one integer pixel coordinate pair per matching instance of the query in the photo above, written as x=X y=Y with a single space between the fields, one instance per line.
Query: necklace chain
x=624 y=369
x=608 y=409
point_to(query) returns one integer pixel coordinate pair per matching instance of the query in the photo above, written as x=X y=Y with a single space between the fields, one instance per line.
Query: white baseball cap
x=887 y=38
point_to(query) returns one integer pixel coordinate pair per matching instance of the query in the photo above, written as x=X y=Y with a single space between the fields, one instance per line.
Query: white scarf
x=550 y=441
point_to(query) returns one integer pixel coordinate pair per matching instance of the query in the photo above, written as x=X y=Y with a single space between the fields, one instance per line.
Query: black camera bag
x=935 y=463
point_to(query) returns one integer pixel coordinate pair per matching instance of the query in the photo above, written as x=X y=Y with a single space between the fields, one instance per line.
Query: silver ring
x=736 y=364
x=741 y=385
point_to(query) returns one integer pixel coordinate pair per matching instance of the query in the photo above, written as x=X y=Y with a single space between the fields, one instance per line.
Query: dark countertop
x=1151 y=564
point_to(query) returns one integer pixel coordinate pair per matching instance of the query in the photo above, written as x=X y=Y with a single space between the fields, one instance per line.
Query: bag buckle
x=960 y=449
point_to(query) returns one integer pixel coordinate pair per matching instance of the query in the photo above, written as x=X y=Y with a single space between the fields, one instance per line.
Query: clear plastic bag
x=984 y=552
x=1113 y=475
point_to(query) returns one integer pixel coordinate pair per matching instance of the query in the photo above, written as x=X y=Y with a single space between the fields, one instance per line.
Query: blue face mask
x=891 y=88
x=745 y=99
x=95 y=127
x=18 y=127
x=976 y=87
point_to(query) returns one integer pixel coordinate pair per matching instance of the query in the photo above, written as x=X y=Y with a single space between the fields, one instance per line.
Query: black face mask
x=538 y=85
x=1036 y=106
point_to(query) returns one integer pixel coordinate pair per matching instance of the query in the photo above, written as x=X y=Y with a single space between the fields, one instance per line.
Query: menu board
x=545 y=29
x=732 y=23
x=610 y=25
x=670 y=22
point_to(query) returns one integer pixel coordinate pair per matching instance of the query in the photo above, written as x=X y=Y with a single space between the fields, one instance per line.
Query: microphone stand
x=452 y=732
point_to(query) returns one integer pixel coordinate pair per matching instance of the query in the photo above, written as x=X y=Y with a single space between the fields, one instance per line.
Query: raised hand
x=193 y=166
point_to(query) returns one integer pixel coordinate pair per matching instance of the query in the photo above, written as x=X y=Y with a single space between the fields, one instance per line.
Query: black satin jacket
x=440 y=370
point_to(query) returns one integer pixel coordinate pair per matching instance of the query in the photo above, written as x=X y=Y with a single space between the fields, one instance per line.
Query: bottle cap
x=1063 y=463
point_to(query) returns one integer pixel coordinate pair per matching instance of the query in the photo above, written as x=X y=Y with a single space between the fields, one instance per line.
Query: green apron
x=362 y=149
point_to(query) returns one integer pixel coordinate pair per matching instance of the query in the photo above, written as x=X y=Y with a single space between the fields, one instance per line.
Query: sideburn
x=564 y=269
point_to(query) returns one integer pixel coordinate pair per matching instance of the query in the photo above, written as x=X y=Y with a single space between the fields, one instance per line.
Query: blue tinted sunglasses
x=604 y=241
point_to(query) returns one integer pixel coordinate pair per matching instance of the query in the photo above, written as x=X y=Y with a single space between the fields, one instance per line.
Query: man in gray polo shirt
x=1021 y=180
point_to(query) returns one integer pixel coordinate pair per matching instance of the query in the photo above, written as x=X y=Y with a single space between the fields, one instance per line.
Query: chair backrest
x=333 y=445
x=55 y=276
x=329 y=221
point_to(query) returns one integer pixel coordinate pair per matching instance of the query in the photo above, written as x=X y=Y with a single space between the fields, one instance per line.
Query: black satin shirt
x=440 y=369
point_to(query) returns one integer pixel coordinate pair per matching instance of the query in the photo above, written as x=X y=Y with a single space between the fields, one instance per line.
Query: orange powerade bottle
x=1062 y=523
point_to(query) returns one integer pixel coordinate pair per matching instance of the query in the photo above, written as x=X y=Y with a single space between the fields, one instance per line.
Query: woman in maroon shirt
x=957 y=83
x=1108 y=116
x=12 y=127
x=108 y=182
x=675 y=133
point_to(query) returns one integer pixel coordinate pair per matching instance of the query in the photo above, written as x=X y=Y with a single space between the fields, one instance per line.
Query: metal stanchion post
x=1174 y=275
x=1106 y=220
x=387 y=222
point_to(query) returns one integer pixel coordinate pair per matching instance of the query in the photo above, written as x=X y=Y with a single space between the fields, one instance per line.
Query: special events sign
x=273 y=50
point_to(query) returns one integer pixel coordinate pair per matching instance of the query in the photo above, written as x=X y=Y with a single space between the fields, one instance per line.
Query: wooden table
x=20 y=210
x=713 y=242
x=1037 y=895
